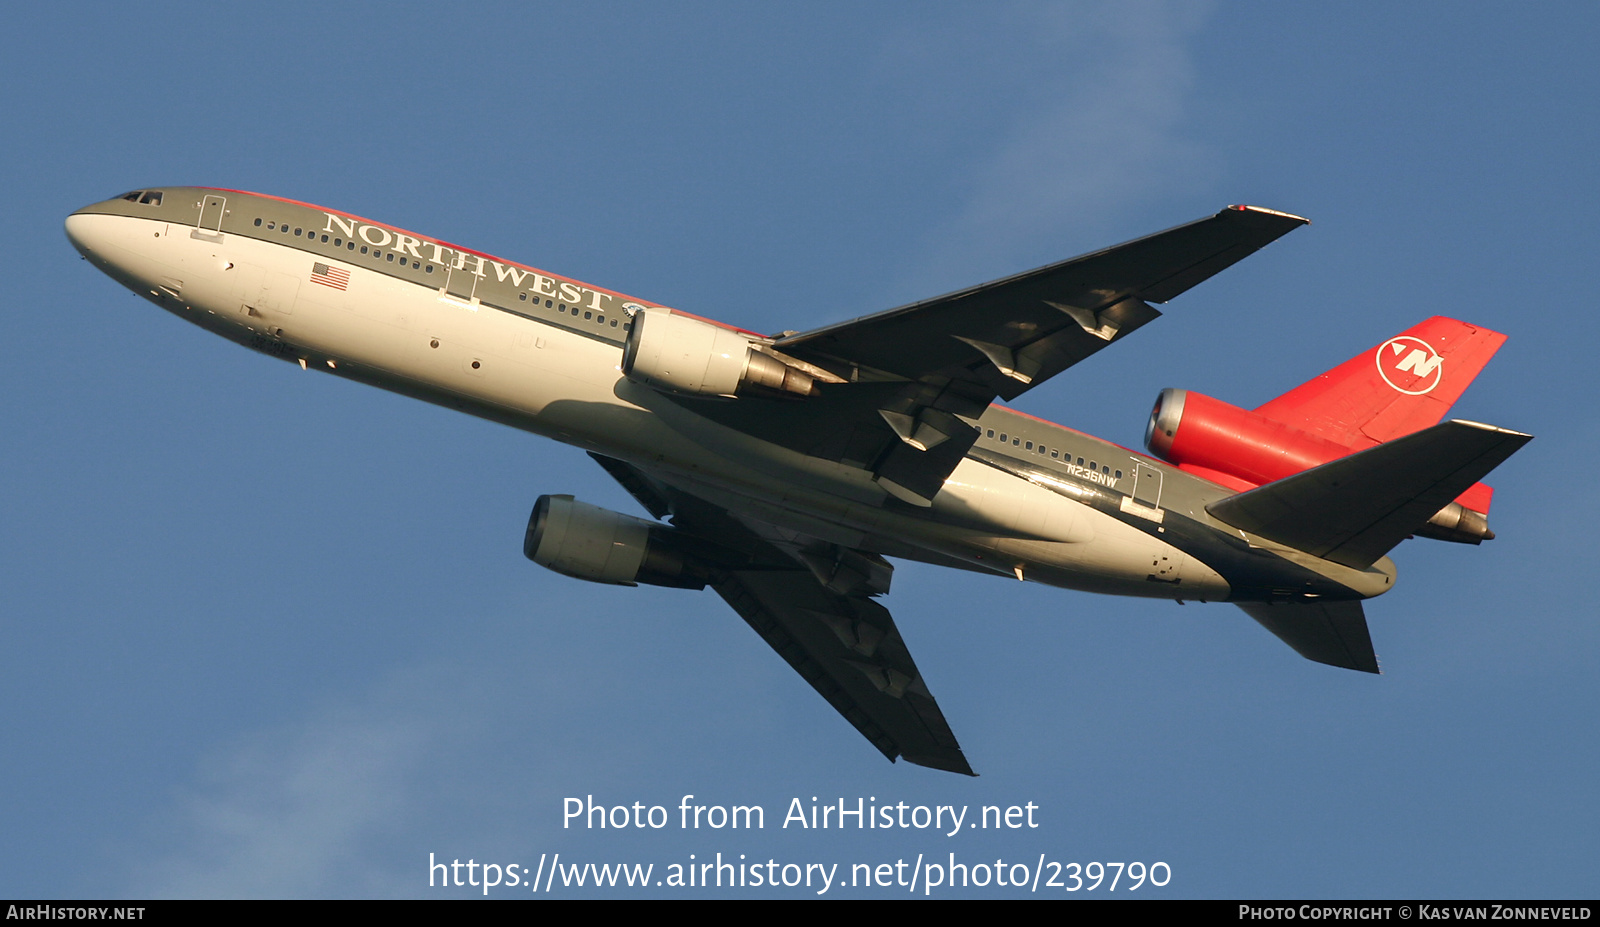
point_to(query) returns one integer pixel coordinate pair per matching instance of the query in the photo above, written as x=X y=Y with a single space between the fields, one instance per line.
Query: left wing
x=917 y=378
x=1010 y=334
x=811 y=602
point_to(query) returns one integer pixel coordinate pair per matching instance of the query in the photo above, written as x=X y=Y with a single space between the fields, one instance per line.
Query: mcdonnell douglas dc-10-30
x=784 y=471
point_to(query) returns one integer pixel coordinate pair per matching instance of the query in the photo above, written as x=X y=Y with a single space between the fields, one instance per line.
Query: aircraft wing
x=1011 y=334
x=917 y=378
x=811 y=602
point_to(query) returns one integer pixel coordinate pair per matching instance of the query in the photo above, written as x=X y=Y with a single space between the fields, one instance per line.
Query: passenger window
x=547 y=304
x=586 y=316
x=1080 y=461
x=1030 y=445
x=430 y=268
x=1055 y=454
x=991 y=432
x=324 y=238
x=258 y=223
x=389 y=256
x=1119 y=474
x=1003 y=438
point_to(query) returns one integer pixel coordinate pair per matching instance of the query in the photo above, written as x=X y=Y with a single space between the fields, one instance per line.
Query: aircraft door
x=460 y=282
x=1147 y=486
x=212 y=209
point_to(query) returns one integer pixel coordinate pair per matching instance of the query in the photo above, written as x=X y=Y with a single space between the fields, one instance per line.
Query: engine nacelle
x=1242 y=450
x=672 y=351
x=1200 y=433
x=588 y=542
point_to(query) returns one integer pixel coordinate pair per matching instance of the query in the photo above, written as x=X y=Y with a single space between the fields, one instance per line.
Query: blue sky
x=271 y=634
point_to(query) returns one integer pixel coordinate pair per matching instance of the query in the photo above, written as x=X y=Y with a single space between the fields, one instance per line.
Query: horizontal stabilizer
x=1356 y=509
x=1334 y=633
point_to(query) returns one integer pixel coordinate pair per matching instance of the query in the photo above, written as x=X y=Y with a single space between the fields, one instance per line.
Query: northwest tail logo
x=1409 y=365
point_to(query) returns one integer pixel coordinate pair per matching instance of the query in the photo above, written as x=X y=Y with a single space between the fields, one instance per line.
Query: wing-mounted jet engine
x=588 y=542
x=680 y=353
x=1398 y=388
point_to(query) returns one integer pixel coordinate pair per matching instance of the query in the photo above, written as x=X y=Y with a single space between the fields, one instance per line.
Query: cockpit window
x=134 y=196
x=151 y=198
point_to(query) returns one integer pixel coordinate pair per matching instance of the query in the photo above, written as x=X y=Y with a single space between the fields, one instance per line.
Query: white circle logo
x=1409 y=365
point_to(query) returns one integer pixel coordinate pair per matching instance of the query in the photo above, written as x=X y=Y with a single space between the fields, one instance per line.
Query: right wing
x=850 y=651
x=811 y=602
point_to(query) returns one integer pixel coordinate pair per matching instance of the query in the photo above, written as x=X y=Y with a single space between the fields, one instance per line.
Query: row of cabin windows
x=588 y=314
x=273 y=225
x=1055 y=453
x=350 y=245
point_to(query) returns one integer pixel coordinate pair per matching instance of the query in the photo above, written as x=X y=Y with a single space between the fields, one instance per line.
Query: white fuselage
x=547 y=379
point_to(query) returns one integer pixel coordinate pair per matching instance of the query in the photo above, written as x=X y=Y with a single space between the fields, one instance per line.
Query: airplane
x=785 y=471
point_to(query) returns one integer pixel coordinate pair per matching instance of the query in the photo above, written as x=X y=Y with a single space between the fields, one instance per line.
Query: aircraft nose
x=85 y=232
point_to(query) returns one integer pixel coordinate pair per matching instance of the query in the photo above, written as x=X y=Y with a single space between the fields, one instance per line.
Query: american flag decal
x=336 y=277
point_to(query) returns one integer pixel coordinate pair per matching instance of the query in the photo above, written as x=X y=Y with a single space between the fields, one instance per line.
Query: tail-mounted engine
x=682 y=354
x=588 y=542
x=1218 y=438
x=1242 y=450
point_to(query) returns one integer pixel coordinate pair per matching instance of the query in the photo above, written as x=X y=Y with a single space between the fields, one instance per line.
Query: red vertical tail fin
x=1401 y=386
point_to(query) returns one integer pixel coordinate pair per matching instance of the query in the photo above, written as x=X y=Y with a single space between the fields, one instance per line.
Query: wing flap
x=1355 y=509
